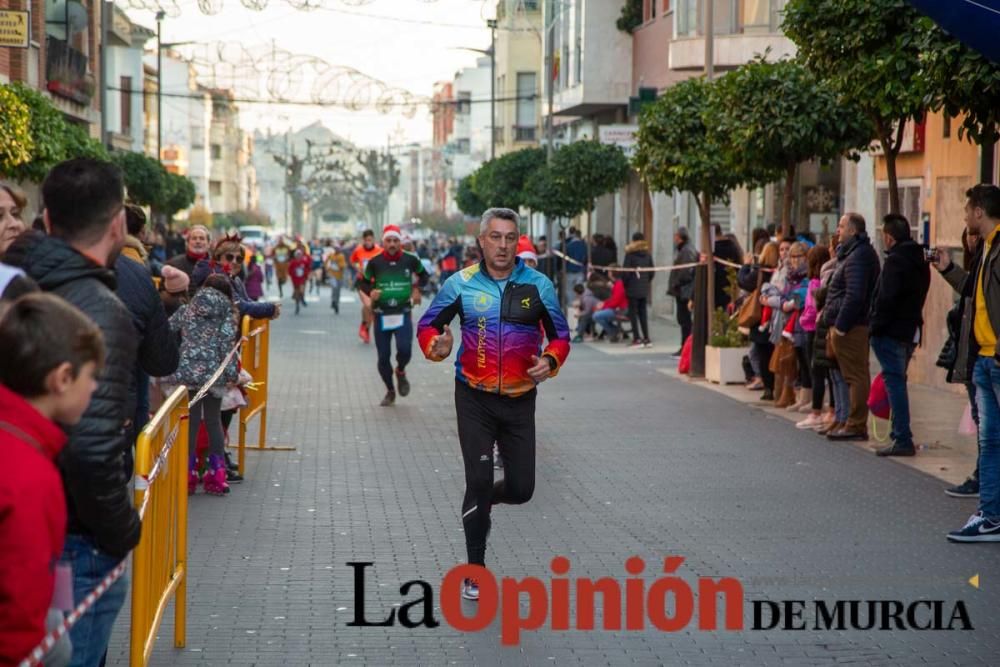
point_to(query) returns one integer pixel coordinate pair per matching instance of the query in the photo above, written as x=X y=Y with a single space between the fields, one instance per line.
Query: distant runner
x=359 y=260
x=388 y=283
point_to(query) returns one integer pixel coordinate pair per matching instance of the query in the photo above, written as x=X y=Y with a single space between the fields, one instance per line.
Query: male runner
x=359 y=260
x=388 y=283
x=504 y=307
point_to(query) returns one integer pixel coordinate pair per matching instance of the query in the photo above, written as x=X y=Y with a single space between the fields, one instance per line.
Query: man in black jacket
x=896 y=318
x=848 y=305
x=681 y=285
x=159 y=347
x=637 y=288
x=84 y=212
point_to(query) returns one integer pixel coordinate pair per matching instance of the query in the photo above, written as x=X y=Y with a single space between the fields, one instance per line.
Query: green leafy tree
x=580 y=172
x=48 y=130
x=53 y=139
x=870 y=53
x=548 y=193
x=775 y=115
x=501 y=181
x=631 y=16
x=145 y=178
x=178 y=194
x=466 y=198
x=78 y=143
x=15 y=131
x=676 y=151
x=963 y=82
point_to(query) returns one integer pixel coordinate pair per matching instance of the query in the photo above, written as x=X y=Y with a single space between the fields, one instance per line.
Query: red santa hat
x=526 y=249
x=391 y=232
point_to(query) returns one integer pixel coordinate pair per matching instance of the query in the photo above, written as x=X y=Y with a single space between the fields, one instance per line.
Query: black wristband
x=553 y=364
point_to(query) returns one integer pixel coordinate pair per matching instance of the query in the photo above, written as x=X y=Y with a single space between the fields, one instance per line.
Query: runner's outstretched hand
x=441 y=345
x=540 y=369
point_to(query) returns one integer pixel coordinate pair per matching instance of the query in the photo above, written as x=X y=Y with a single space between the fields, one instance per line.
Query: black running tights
x=485 y=418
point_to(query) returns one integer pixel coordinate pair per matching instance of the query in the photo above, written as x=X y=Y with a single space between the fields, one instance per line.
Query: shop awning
x=976 y=23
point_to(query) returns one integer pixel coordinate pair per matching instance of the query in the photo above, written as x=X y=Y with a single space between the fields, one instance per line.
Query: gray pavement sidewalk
x=934 y=413
x=630 y=462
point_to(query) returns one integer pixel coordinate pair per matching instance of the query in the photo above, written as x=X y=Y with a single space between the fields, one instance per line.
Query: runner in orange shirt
x=359 y=260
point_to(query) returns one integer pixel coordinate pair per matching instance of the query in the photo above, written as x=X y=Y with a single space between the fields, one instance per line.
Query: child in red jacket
x=51 y=352
x=299 y=269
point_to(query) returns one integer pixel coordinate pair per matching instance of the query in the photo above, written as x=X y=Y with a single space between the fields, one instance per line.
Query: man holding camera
x=977 y=352
x=896 y=321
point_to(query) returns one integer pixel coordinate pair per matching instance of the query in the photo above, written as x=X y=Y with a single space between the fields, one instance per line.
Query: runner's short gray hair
x=503 y=214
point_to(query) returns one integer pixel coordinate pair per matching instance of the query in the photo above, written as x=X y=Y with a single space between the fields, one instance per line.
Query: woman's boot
x=787 y=395
x=215 y=476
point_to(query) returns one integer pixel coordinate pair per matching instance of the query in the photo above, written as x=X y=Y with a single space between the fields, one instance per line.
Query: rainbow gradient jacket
x=501 y=331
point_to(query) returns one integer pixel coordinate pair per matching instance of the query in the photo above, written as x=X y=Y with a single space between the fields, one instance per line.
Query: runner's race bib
x=392 y=322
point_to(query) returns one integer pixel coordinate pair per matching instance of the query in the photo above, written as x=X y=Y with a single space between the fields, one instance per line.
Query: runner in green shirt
x=389 y=282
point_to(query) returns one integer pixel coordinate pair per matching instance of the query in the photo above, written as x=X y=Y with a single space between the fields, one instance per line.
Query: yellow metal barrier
x=159 y=563
x=255 y=358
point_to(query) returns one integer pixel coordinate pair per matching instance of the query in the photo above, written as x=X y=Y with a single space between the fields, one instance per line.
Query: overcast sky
x=409 y=44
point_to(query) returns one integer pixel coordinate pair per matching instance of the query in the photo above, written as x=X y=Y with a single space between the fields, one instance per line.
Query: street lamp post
x=492 y=23
x=160 y=15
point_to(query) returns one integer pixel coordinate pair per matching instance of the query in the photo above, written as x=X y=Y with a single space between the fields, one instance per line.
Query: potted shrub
x=726 y=345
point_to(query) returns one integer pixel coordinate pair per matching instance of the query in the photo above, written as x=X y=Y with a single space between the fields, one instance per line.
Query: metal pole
x=709 y=39
x=160 y=15
x=705 y=286
x=550 y=79
x=287 y=180
x=105 y=15
x=493 y=87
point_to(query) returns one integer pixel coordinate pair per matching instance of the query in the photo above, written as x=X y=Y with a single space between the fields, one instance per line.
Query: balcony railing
x=66 y=72
x=523 y=133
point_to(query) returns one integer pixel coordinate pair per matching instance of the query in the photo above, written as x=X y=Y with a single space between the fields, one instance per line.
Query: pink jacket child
x=808 y=318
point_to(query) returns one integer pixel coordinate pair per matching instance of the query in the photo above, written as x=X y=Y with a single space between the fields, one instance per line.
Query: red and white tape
x=38 y=653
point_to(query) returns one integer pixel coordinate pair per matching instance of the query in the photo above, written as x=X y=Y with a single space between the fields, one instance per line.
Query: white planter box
x=724 y=365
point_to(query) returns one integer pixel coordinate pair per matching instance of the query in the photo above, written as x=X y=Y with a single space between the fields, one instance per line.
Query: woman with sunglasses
x=227 y=258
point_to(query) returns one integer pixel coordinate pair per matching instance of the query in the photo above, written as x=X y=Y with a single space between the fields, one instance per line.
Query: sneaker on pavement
x=678 y=353
x=967 y=489
x=233 y=476
x=845 y=434
x=977 y=529
x=647 y=343
x=577 y=339
x=810 y=422
x=635 y=345
x=390 y=398
x=896 y=449
x=402 y=383
x=470 y=590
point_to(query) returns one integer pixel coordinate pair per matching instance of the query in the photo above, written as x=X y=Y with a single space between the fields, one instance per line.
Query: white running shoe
x=470 y=590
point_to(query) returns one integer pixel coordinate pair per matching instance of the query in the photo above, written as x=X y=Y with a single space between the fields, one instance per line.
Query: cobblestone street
x=630 y=462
